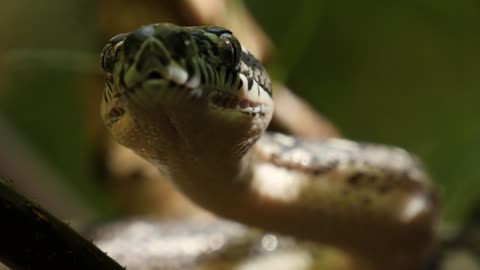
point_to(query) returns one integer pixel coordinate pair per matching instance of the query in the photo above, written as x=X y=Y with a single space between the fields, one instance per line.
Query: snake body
x=196 y=104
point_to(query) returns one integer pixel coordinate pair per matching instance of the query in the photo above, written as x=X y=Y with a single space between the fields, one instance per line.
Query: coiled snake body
x=195 y=103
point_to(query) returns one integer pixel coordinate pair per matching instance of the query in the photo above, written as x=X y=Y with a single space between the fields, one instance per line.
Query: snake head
x=170 y=53
x=184 y=82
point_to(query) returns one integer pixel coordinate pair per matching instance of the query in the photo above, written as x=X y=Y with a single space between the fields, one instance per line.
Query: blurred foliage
x=397 y=72
x=49 y=54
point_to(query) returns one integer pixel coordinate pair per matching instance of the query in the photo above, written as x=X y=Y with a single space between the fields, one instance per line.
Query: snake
x=196 y=104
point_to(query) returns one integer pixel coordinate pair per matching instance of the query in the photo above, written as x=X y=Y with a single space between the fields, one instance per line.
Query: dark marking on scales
x=226 y=77
x=203 y=73
x=256 y=70
x=354 y=179
x=190 y=71
x=233 y=75
x=240 y=83
x=209 y=72
x=250 y=83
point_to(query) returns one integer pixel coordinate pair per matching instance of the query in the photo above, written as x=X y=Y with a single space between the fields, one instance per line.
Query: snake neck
x=210 y=167
x=217 y=184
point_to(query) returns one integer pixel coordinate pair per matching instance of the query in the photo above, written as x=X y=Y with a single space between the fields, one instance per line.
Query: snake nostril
x=154 y=75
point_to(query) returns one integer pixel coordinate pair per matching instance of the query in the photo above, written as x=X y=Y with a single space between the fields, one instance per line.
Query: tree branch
x=31 y=238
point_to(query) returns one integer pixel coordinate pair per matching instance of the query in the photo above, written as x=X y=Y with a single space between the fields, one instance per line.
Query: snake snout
x=151 y=61
x=154 y=75
x=135 y=39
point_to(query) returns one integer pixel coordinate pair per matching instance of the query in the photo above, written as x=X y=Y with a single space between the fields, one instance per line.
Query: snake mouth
x=224 y=100
x=174 y=78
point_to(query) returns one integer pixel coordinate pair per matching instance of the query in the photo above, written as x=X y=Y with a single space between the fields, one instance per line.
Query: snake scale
x=196 y=104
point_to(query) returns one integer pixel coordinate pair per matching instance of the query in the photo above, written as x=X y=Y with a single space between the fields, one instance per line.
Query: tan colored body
x=206 y=132
x=344 y=203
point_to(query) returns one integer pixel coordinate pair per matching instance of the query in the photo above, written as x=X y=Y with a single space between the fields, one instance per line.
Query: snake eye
x=107 y=60
x=230 y=49
x=109 y=54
